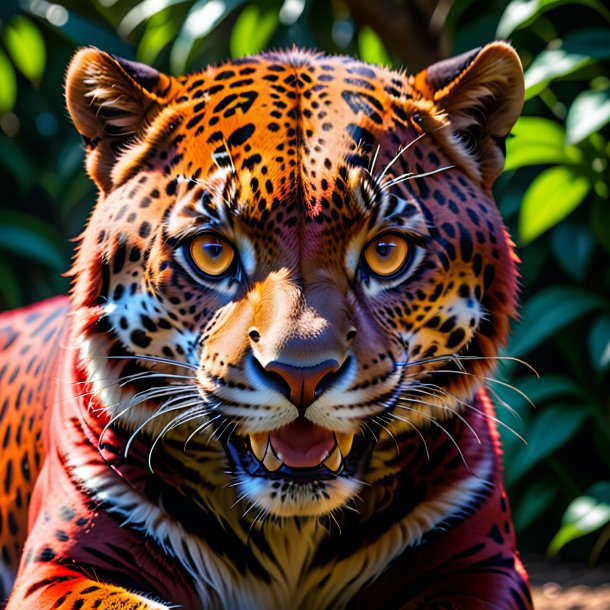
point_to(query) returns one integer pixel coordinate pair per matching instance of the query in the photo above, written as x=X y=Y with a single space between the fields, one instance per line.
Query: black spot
x=194 y=121
x=360 y=135
x=240 y=135
x=47 y=554
x=488 y=275
x=119 y=259
x=465 y=244
x=140 y=338
x=144 y=229
x=170 y=189
x=455 y=338
x=251 y=162
x=66 y=513
x=364 y=102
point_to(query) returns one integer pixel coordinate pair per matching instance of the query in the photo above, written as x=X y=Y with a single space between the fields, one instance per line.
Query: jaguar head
x=294 y=263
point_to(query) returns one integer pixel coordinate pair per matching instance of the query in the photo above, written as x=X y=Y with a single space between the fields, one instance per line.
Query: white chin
x=285 y=498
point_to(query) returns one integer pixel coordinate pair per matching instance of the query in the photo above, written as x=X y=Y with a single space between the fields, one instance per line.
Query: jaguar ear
x=482 y=93
x=110 y=101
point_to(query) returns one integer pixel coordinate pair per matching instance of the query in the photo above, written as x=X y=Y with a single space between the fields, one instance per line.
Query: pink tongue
x=302 y=444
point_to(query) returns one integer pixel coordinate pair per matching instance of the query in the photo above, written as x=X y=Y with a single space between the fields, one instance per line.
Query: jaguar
x=269 y=385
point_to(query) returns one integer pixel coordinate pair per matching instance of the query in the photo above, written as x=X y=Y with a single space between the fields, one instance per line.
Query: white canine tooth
x=271 y=461
x=259 y=442
x=334 y=460
x=345 y=441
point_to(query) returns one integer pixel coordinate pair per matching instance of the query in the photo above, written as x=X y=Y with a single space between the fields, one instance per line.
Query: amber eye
x=387 y=254
x=212 y=254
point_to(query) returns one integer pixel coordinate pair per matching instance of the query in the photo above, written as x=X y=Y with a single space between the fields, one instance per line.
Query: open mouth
x=300 y=451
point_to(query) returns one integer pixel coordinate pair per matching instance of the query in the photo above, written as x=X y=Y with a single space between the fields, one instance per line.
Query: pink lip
x=302 y=444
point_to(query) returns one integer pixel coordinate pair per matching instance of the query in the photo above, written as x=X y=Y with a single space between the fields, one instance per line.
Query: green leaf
x=371 y=47
x=9 y=286
x=253 y=29
x=600 y=221
x=8 y=87
x=537 y=141
x=160 y=30
x=548 y=387
x=142 y=12
x=32 y=238
x=583 y=515
x=26 y=47
x=551 y=64
x=592 y=42
x=599 y=343
x=549 y=430
x=589 y=112
x=550 y=198
x=536 y=499
x=15 y=161
x=520 y=13
x=575 y=258
x=549 y=311
x=578 y=49
x=202 y=18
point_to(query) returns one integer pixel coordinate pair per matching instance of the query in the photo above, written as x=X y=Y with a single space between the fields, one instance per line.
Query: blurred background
x=554 y=194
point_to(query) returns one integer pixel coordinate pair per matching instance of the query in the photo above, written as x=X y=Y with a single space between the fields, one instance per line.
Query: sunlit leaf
x=32 y=238
x=599 y=343
x=573 y=246
x=291 y=11
x=202 y=18
x=160 y=31
x=549 y=429
x=26 y=46
x=589 y=112
x=537 y=141
x=371 y=48
x=550 y=198
x=584 y=515
x=549 y=311
x=551 y=64
x=578 y=49
x=253 y=29
x=143 y=11
x=8 y=84
x=520 y=13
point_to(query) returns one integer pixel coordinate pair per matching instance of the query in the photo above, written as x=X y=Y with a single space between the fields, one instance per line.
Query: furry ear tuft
x=110 y=101
x=482 y=93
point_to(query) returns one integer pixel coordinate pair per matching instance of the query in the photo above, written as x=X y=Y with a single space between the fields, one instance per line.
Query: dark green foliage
x=554 y=194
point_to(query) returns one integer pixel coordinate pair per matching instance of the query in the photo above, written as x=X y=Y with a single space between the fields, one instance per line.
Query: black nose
x=303 y=384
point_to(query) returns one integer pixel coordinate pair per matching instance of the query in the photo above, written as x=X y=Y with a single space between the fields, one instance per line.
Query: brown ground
x=565 y=586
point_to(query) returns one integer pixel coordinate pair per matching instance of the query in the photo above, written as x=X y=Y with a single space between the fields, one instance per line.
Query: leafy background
x=554 y=194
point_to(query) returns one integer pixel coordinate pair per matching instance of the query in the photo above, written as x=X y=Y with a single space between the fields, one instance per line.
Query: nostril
x=351 y=334
x=330 y=378
x=254 y=335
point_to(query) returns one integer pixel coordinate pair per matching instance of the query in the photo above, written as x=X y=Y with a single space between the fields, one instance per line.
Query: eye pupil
x=387 y=255
x=213 y=250
x=384 y=249
x=212 y=255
